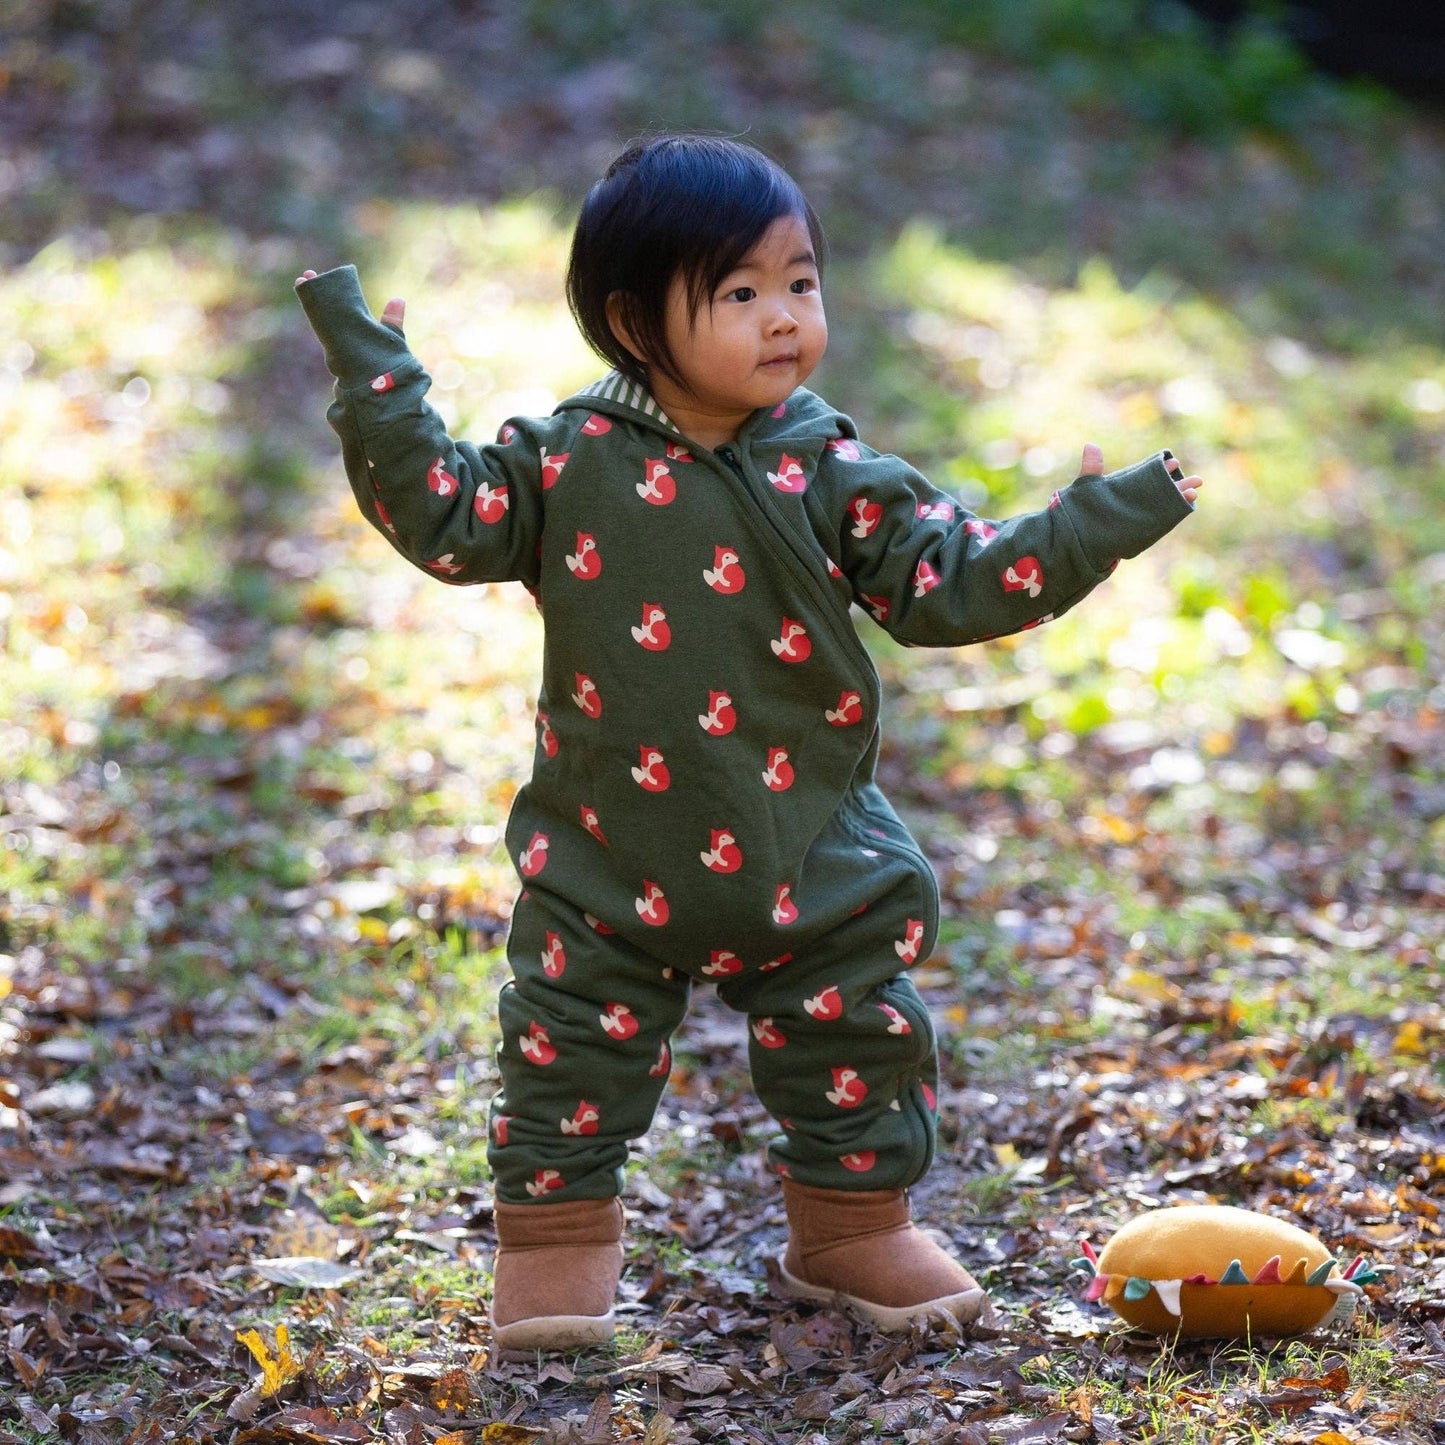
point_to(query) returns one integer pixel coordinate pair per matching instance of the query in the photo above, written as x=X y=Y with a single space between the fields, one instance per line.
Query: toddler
x=695 y=527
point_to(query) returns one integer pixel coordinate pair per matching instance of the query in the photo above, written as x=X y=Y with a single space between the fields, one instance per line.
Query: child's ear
x=617 y=320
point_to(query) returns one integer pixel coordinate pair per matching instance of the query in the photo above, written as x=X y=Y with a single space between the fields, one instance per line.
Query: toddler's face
x=762 y=335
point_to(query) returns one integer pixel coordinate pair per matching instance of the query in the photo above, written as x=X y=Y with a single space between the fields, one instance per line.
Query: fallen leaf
x=277 y=1370
x=303 y=1271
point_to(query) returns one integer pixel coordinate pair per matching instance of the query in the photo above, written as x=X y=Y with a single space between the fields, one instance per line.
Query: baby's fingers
x=394 y=312
x=1092 y=464
x=306 y=276
x=1189 y=487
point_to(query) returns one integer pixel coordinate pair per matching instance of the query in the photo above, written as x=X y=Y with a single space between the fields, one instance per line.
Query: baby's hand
x=1093 y=466
x=393 y=313
x=1188 y=486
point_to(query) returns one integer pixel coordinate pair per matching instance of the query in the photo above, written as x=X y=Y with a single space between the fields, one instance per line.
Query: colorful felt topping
x=1089 y=1254
x=1136 y=1288
x=1097 y=1286
x=1234 y=1274
x=1113 y=1286
x=1297 y=1274
x=1168 y=1292
x=1322 y=1273
x=1268 y=1273
x=1200 y=1279
x=1361 y=1273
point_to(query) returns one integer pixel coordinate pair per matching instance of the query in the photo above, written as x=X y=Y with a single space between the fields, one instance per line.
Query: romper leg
x=584 y=1056
x=842 y=1050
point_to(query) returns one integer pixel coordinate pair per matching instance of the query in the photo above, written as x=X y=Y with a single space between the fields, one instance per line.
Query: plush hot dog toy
x=1212 y=1271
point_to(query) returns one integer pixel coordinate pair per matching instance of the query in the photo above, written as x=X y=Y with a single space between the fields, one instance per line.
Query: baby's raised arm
x=460 y=512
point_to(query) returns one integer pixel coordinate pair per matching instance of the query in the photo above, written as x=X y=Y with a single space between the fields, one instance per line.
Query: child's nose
x=783 y=320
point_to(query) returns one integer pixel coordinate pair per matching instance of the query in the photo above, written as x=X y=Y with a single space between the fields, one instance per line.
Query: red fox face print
x=548 y=737
x=652 y=772
x=657 y=485
x=793 y=645
x=723 y=963
x=897 y=1024
x=537 y=1047
x=866 y=516
x=676 y=453
x=490 y=503
x=907 y=947
x=596 y=426
x=984 y=531
x=618 y=1022
x=586 y=562
x=499 y=1130
x=652 y=906
x=845 y=449
x=848 y=1089
x=785 y=911
x=778 y=775
x=554 y=956
x=1026 y=575
x=725 y=856
x=446 y=565
x=382 y=513
x=721 y=717
x=384 y=382
x=768 y=1035
x=1037 y=622
x=848 y=711
x=859 y=1163
x=534 y=856
x=925 y=579
x=834 y=570
x=544 y=1182
x=929 y=1098
x=777 y=962
x=935 y=511
x=552 y=467
x=587 y=697
x=654 y=634
x=663 y=1067
x=789 y=476
x=589 y=821
x=726 y=575
x=879 y=607
x=583 y=1121
x=597 y=925
x=825 y=1006
x=439 y=479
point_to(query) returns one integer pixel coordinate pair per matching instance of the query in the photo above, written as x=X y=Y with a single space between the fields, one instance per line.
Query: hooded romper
x=702 y=803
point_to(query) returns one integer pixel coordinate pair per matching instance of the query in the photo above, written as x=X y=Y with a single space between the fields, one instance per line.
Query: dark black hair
x=675 y=205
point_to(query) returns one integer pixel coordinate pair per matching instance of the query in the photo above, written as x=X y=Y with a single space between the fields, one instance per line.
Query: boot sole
x=966 y=1308
x=555 y=1332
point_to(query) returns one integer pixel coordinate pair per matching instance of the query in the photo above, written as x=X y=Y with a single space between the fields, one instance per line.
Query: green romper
x=702 y=803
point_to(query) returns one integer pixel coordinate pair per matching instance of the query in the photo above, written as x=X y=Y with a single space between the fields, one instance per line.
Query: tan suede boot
x=859 y=1248
x=556 y=1272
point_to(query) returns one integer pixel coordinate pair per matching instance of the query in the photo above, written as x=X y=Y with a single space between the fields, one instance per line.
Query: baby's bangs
x=732 y=216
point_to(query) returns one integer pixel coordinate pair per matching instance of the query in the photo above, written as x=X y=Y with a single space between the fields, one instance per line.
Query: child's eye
x=803 y=285
x=741 y=293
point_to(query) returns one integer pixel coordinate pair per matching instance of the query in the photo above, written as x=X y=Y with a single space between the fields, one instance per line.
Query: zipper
x=826 y=598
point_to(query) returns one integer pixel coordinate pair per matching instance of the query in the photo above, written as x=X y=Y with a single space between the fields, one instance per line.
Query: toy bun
x=1212 y=1271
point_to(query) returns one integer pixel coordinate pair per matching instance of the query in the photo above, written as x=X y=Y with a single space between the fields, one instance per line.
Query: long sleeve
x=460 y=512
x=932 y=573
